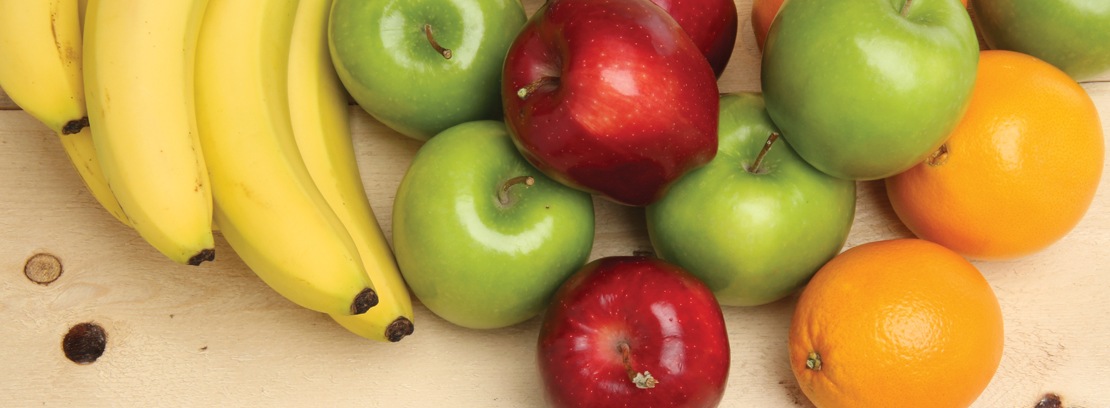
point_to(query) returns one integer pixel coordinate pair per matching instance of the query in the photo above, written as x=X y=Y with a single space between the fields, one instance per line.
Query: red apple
x=763 y=13
x=610 y=97
x=711 y=24
x=633 y=332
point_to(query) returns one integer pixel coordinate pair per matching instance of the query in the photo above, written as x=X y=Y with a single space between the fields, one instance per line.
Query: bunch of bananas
x=188 y=116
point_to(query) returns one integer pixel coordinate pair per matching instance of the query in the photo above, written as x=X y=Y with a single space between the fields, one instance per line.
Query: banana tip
x=207 y=254
x=364 y=301
x=397 y=330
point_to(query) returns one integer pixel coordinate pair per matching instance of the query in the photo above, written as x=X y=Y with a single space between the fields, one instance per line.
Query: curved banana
x=138 y=71
x=40 y=44
x=267 y=206
x=321 y=127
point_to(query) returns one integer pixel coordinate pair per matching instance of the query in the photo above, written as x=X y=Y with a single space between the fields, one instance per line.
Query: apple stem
x=754 y=168
x=906 y=8
x=527 y=90
x=503 y=193
x=446 y=53
x=642 y=380
x=938 y=157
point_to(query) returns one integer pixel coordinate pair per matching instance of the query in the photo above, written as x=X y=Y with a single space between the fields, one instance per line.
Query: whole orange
x=899 y=323
x=1018 y=172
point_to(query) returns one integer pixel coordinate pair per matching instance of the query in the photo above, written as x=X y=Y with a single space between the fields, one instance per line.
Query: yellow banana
x=40 y=46
x=267 y=206
x=321 y=127
x=138 y=71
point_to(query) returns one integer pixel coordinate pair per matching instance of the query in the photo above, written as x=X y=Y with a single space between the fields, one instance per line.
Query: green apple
x=422 y=66
x=1073 y=35
x=756 y=222
x=865 y=89
x=482 y=238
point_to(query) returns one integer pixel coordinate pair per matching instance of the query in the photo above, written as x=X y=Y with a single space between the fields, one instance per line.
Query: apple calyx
x=939 y=157
x=755 y=168
x=813 y=361
x=527 y=90
x=503 y=192
x=445 y=52
x=642 y=380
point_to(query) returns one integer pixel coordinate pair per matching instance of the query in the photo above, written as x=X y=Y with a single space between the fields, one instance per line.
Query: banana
x=138 y=72
x=266 y=204
x=40 y=44
x=321 y=128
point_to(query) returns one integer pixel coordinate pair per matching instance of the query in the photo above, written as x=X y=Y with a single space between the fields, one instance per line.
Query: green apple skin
x=384 y=59
x=1073 y=35
x=471 y=260
x=752 y=237
x=862 y=92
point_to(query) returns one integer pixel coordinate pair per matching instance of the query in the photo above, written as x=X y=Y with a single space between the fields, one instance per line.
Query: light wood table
x=215 y=335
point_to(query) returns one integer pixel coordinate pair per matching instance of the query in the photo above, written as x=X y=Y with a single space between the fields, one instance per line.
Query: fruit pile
x=197 y=119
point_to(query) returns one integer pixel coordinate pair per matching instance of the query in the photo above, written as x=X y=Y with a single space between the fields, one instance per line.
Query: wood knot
x=42 y=268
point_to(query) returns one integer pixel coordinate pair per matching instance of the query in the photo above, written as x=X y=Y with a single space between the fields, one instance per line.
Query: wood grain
x=215 y=335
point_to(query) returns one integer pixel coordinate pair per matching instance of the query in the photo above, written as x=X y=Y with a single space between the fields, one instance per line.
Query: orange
x=763 y=13
x=900 y=323
x=1018 y=172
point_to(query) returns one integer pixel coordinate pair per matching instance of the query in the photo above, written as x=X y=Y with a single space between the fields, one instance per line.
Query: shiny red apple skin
x=630 y=104
x=711 y=24
x=669 y=319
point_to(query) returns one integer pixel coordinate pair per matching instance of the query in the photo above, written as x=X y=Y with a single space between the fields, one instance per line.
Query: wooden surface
x=215 y=335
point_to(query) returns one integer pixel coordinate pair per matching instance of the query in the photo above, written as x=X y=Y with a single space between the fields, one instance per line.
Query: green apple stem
x=446 y=53
x=754 y=168
x=527 y=90
x=906 y=8
x=641 y=380
x=503 y=193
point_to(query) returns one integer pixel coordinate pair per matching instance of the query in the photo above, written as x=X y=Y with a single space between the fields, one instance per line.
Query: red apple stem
x=642 y=380
x=527 y=90
x=906 y=8
x=446 y=53
x=503 y=193
x=755 y=166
